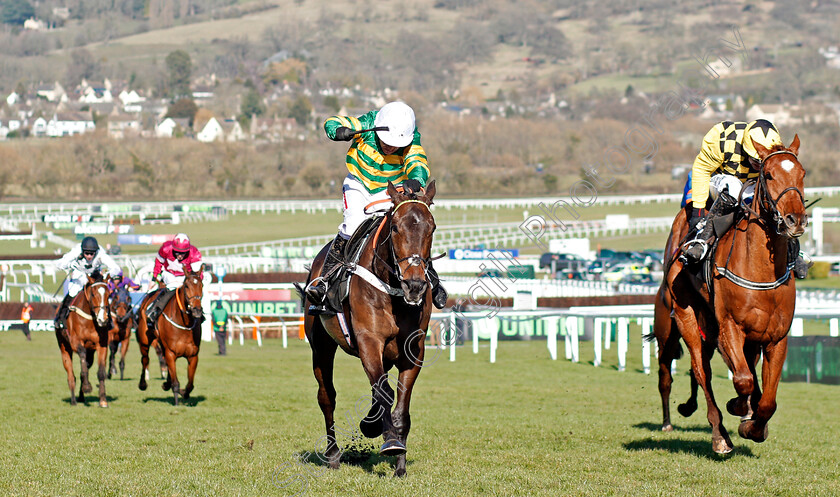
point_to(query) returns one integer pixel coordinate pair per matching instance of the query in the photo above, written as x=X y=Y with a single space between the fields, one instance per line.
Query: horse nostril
x=790 y=220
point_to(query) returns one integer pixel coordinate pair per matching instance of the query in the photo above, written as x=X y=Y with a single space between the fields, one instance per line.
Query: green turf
x=523 y=426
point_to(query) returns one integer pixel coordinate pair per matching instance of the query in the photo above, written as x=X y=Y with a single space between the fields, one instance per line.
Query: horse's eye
x=768 y=176
x=393 y=229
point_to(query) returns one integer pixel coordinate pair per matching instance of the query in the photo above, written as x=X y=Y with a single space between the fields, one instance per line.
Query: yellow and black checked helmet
x=760 y=131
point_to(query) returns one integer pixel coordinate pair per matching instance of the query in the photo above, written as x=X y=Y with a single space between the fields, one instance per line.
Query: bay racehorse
x=86 y=332
x=179 y=331
x=747 y=310
x=384 y=322
x=120 y=334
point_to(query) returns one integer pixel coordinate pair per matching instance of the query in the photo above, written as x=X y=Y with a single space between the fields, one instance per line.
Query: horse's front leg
x=401 y=416
x=84 y=362
x=123 y=352
x=771 y=372
x=687 y=323
x=379 y=417
x=102 y=374
x=67 y=362
x=144 y=360
x=192 y=365
x=731 y=345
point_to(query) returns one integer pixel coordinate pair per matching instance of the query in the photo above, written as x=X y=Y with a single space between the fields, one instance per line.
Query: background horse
x=86 y=332
x=179 y=331
x=384 y=330
x=121 y=331
x=148 y=338
x=747 y=312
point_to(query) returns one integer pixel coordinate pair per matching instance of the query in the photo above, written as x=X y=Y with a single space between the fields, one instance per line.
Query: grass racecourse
x=525 y=426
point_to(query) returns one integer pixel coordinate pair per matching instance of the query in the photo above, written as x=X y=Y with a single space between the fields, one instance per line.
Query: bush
x=819 y=270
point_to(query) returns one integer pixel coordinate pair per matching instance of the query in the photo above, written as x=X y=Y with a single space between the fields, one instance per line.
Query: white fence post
x=647 y=324
x=621 y=338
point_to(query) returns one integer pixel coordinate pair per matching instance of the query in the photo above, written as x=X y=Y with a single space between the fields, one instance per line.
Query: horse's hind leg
x=668 y=339
x=161 y=355
x=172 y=378
x=192 y=364
x=323 y=358
x=112 y=367
x=85 y=362
x=690 y=405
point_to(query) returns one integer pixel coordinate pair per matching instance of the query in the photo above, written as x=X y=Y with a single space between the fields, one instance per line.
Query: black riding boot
x=154 y=310
x=439 y=295
x=698 y=248
x=800 y=264
x=63 y=312
x=317 y=289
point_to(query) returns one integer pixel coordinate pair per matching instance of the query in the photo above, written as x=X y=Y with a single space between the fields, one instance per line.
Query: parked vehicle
x=562 y=262
x=617 y=272
x=639 y=279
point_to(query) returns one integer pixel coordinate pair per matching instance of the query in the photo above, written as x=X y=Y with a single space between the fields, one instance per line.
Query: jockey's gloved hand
x=411 y=186
x=696 y=216
x=344 y=134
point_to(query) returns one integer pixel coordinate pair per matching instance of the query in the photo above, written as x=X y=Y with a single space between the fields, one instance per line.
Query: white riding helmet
x=399 y=119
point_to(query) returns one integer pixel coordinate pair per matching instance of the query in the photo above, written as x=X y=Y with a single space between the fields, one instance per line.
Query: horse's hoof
x=747 y=428
x=686 y=410
x=736 y=409
x=142 y=385
x=87 y=388
x=103 y=403
x=399 y=473
x=392 y=447
x=185 y=395
x=371 y=429
x=166 y=386
x=334 y=464
x=668 y=427
x=721 y=447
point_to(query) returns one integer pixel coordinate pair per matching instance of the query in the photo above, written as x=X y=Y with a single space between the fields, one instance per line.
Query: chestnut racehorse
x=86 y=332
x=385 y=324
x=178 y=329
x=747 y=312
x=120 y=334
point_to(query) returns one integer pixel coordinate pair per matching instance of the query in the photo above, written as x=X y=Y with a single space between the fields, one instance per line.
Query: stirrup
x=691 y=244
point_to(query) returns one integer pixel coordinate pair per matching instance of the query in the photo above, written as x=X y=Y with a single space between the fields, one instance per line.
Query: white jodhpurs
x=732 y=185
x=356 y=198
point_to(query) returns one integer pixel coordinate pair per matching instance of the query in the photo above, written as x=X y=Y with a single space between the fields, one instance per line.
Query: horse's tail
x=651 y=337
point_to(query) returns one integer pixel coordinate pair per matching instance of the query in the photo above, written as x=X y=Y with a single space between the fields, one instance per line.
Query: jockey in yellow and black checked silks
x=726 y=151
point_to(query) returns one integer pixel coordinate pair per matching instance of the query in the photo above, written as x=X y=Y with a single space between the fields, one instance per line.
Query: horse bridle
x=95 y=309
x=414 y=259
x=187 y=300
x=767 y=202
x=124 y=299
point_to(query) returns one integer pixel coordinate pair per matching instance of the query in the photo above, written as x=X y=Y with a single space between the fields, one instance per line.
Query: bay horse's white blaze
x=100 y=314
x=787 y=165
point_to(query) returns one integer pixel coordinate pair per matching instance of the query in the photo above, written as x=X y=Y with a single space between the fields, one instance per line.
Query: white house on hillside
x=70 y=123
x=211 y=131
x=169 y=127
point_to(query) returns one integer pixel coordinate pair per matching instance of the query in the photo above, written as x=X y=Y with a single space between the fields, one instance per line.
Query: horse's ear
x=90 y=278
x=430 y=192
x=392 y=190
x=760 y=149
x=794 y=145
x=201 y=269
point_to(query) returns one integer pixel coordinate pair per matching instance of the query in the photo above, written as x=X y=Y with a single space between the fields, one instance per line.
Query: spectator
x=26 y=316
x=220 y=319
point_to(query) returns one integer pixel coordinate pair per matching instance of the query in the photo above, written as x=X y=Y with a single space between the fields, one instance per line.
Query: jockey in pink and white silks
x=82 y=261
x=173 y=258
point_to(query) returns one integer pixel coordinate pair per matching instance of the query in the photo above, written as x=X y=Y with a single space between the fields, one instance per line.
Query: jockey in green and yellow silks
x=385 y=146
